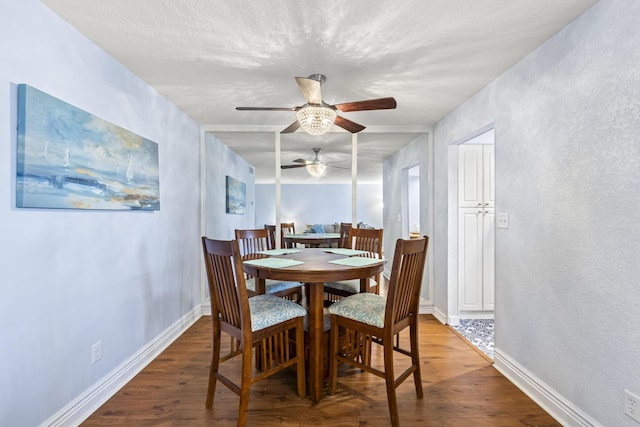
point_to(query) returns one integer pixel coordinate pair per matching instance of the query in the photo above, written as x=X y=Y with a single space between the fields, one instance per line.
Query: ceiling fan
x=316 y=116
x=315 y=167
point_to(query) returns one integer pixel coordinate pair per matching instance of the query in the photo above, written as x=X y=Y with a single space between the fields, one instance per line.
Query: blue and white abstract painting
x=70 y=159
x=236 y=200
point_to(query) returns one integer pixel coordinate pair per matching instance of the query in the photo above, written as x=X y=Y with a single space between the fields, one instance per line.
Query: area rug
x=478 y=332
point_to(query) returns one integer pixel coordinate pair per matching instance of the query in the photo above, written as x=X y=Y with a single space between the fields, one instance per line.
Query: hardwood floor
x=461 y=388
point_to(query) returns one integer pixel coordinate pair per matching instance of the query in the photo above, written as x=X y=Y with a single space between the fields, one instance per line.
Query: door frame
x=453 y=310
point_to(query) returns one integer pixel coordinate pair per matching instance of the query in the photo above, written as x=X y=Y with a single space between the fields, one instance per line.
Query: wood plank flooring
x=461 y=388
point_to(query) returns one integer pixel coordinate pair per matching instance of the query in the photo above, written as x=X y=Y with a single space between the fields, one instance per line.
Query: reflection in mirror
x=411 y=205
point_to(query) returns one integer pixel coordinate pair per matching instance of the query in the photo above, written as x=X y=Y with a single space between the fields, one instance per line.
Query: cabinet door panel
x=470 y=259
x=470 y=176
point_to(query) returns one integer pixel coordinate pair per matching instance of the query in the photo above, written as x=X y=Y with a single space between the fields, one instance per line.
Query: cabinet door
x=488 y=176
x=470 y=158
x=470 y=230
x=488 y=258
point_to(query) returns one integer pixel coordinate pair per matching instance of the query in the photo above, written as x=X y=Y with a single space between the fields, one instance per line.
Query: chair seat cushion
x=352 y=286
x=269 y=310
x=364 y=307
x=272 y=286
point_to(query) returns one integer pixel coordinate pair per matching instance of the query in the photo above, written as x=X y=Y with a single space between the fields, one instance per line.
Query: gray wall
x=414 y=153
x=70 y=278
x=567 y=173
x=220 y=162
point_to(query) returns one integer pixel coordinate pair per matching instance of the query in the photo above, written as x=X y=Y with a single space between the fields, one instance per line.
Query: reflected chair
x=285 y=228
x=251 y=242
x=364 y=239
x=368 y=318
x=264 y=322
x=345 y=227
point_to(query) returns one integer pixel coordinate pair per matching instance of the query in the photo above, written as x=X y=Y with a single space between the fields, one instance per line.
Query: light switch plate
x=503 y=220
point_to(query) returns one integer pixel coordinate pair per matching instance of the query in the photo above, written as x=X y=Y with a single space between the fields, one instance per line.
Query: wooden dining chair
x=364 y=239
x=368 y=318
x=345 y=227
x=264 y=322
x=251 y=242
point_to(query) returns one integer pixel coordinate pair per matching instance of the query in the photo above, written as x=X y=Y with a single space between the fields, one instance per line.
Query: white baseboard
x=454 y=320
x=442 y=317
x=80 y=408
x=565 y=412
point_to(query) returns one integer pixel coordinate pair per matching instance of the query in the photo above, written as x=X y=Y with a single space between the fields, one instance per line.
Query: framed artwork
x=68 y=158
x=236 y=199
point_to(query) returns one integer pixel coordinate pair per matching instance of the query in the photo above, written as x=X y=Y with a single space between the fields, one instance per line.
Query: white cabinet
x=476 y=176
x=476 y=228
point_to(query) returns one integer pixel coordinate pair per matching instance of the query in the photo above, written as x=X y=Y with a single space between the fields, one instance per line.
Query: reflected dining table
x=314 y=267
x=312 y=239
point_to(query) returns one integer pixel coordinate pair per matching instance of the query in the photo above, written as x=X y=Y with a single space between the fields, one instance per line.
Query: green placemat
x=345 y=251
x=355 y=261
x=274 y=262
x=280 y=251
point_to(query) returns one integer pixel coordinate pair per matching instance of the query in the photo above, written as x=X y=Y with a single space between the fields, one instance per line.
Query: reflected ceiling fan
x=316 y=116
x=315 y=167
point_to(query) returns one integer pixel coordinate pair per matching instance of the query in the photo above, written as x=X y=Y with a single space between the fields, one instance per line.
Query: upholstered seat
x=269 y=310
x=366 y=308
x=272 y=286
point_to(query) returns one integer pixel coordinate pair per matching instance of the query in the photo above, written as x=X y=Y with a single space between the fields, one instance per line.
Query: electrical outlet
x=632 y=405
x=96 y=352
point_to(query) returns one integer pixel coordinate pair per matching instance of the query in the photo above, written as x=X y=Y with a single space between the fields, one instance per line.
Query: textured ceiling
x=207 y=57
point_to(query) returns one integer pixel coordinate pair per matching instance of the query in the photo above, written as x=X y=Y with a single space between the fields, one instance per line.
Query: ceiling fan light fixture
x=316 y=169
x=316 y=120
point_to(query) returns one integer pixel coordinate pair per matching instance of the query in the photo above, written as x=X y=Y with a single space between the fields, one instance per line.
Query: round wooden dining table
x=314 y=271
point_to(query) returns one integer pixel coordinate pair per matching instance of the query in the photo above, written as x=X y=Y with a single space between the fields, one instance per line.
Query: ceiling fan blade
x=348 y=125
x=371 y=104
x=339 y=167
x=292 y=127
x=306 y=162
x=267 y=108
x=292 y=166
x=310 y=89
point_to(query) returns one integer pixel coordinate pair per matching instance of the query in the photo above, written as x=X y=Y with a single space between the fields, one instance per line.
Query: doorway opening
x=411 y=203
x=472 y=240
